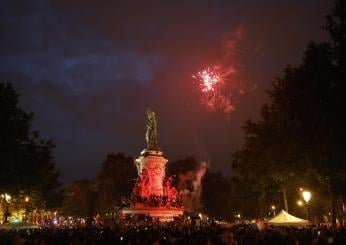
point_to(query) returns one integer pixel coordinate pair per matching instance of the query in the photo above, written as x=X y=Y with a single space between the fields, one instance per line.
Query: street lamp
x=307 y=197
x=300 y=203
x=273 y=208
x=26 y=200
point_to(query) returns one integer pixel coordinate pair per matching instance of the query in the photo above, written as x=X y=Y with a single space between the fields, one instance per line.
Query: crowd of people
x=152 y=201
x=173 y=233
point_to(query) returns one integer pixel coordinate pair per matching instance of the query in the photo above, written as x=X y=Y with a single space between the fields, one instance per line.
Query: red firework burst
x=211 y=82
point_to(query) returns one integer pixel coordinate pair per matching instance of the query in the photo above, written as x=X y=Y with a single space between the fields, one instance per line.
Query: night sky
x=89 y=70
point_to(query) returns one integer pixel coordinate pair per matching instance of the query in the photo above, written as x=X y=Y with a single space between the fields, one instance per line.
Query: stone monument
x=152 y=193
x=151 y=164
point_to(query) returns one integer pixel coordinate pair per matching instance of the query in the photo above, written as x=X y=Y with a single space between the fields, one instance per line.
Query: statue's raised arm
x=151 y=134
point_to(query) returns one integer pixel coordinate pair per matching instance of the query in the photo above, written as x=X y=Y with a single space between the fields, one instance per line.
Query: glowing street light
x=300 y=203
x=27 y=199
x=306 y=196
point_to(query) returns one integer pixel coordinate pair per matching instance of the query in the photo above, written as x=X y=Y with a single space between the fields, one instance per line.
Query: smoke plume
x=190 y=187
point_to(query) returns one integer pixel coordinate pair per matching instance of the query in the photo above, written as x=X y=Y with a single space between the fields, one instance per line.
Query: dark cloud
x=90 y=69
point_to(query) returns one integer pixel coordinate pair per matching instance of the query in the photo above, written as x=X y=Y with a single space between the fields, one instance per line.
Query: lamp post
x=26 y=200
x=307 y=197
x=273 y=208
x=300 y=203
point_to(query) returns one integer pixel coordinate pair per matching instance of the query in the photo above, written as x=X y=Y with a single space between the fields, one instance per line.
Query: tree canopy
x=26 y=161
x=299 y=136
x=116 y=179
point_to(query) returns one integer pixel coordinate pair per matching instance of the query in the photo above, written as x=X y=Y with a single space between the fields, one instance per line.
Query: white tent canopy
x=284 y=218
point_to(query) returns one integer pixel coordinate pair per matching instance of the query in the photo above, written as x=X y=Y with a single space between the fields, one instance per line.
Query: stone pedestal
x=151 y=166
x=153 y=194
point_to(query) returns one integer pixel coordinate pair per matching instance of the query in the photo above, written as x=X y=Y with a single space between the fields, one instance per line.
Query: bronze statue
x=151 y=134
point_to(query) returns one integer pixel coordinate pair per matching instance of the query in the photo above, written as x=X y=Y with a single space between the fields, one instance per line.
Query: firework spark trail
x=209 y=78
x=214 y=94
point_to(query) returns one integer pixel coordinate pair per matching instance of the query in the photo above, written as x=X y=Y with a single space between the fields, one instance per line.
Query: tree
x=14 y=136
x=216 y=195
x=116 y=179
x=80 y=199
x=293 y=138
x=301 y=132
x=336 y=26
x=26 y=161
x=101 y=195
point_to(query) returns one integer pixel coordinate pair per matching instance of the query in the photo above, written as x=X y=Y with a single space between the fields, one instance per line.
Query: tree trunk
x=285 y=198
x=332 y=206
x=259 y=206
x=341 y=216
